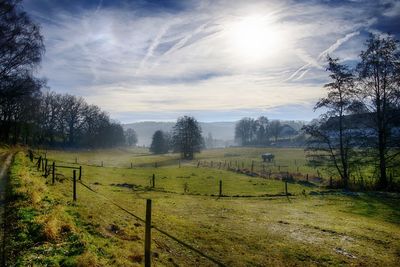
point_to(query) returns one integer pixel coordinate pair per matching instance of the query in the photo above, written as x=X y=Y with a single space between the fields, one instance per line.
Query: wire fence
x=42 y=165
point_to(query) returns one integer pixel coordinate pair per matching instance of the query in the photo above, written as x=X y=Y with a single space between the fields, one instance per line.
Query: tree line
x=261 y=131
x=29 y=112
x=361 y=125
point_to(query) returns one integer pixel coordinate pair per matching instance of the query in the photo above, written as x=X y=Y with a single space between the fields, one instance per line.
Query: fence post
x=220 y=188
x=147 y=239
x=154 y=181
x=252 y=166
x=330 y=182
x=198 y=163
x=45 y=168
x=80 y=172
x=42 y=164
x=131 y=165
x=307 y=177
x=74 y=186
x=53 y=174
x=286 y=192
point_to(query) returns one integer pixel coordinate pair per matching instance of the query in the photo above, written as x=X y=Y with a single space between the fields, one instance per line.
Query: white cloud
x=125 y=61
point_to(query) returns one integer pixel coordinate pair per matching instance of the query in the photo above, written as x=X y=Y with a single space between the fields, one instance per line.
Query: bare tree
x=379 y=80
x=186 y=137
x=131 y=137
x=275 y=129
x=332 y=137
x=21 y=48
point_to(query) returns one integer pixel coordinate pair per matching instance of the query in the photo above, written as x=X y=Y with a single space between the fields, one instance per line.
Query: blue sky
x=215 y=60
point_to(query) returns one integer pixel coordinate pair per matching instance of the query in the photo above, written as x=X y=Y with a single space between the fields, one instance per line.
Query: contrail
x=321 y=56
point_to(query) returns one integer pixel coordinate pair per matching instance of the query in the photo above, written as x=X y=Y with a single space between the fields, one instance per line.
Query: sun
x=254 y=38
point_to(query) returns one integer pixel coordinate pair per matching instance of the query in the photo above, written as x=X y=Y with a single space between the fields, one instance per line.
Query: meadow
x=253 y=223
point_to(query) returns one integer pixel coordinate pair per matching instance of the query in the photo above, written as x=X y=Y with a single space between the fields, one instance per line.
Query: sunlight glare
x=254 y=38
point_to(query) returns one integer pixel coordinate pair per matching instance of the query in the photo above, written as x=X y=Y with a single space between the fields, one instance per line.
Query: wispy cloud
x=140 y=59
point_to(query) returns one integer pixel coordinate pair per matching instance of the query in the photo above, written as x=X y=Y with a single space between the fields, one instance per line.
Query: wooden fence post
x=198 y=163
x=154 y=181
x=131 y=165
x=307 y=177
x=286 y=192
x=80 y=172
x=220 y=188
x=53 y=173
x=45 y=168
x=252 y=166
x=147 y=239
x=74 y=186
x=102 y=164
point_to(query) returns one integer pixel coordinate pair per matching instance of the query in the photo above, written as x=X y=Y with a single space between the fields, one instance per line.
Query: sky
x=215 y=60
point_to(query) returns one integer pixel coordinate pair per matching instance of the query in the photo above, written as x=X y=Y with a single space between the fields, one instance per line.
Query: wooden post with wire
x=220 y=188
x=45 y=167
x=53 y=172
x=80 y=172
x=74 y=186
x=147 y=238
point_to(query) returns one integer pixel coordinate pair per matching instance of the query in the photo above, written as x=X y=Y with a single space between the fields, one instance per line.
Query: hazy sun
x=254 y=38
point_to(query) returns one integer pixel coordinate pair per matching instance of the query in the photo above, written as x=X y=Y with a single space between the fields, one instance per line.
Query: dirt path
x=5 y=162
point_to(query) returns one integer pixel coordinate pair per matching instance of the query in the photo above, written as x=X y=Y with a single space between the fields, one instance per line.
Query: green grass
x=312 y=227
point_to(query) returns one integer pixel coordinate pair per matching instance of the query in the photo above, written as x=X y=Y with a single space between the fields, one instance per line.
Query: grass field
x=254 y=224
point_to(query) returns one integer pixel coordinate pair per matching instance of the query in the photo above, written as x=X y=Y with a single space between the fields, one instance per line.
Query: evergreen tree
x=160 y=143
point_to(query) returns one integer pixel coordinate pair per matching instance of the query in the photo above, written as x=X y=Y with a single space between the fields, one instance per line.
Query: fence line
x=155 y=227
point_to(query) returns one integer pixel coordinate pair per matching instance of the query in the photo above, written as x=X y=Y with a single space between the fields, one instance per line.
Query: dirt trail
x=5 y=162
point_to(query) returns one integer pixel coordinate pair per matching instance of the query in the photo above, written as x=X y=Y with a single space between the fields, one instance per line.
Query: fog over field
x=224 y=130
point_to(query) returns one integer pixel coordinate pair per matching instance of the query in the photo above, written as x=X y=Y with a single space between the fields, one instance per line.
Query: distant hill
x=220 y=130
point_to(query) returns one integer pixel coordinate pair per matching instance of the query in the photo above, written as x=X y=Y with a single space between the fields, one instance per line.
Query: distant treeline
x=262 y=132
x=27 y=114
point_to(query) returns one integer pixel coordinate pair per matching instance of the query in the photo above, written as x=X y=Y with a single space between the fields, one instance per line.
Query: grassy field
x=254 y=224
